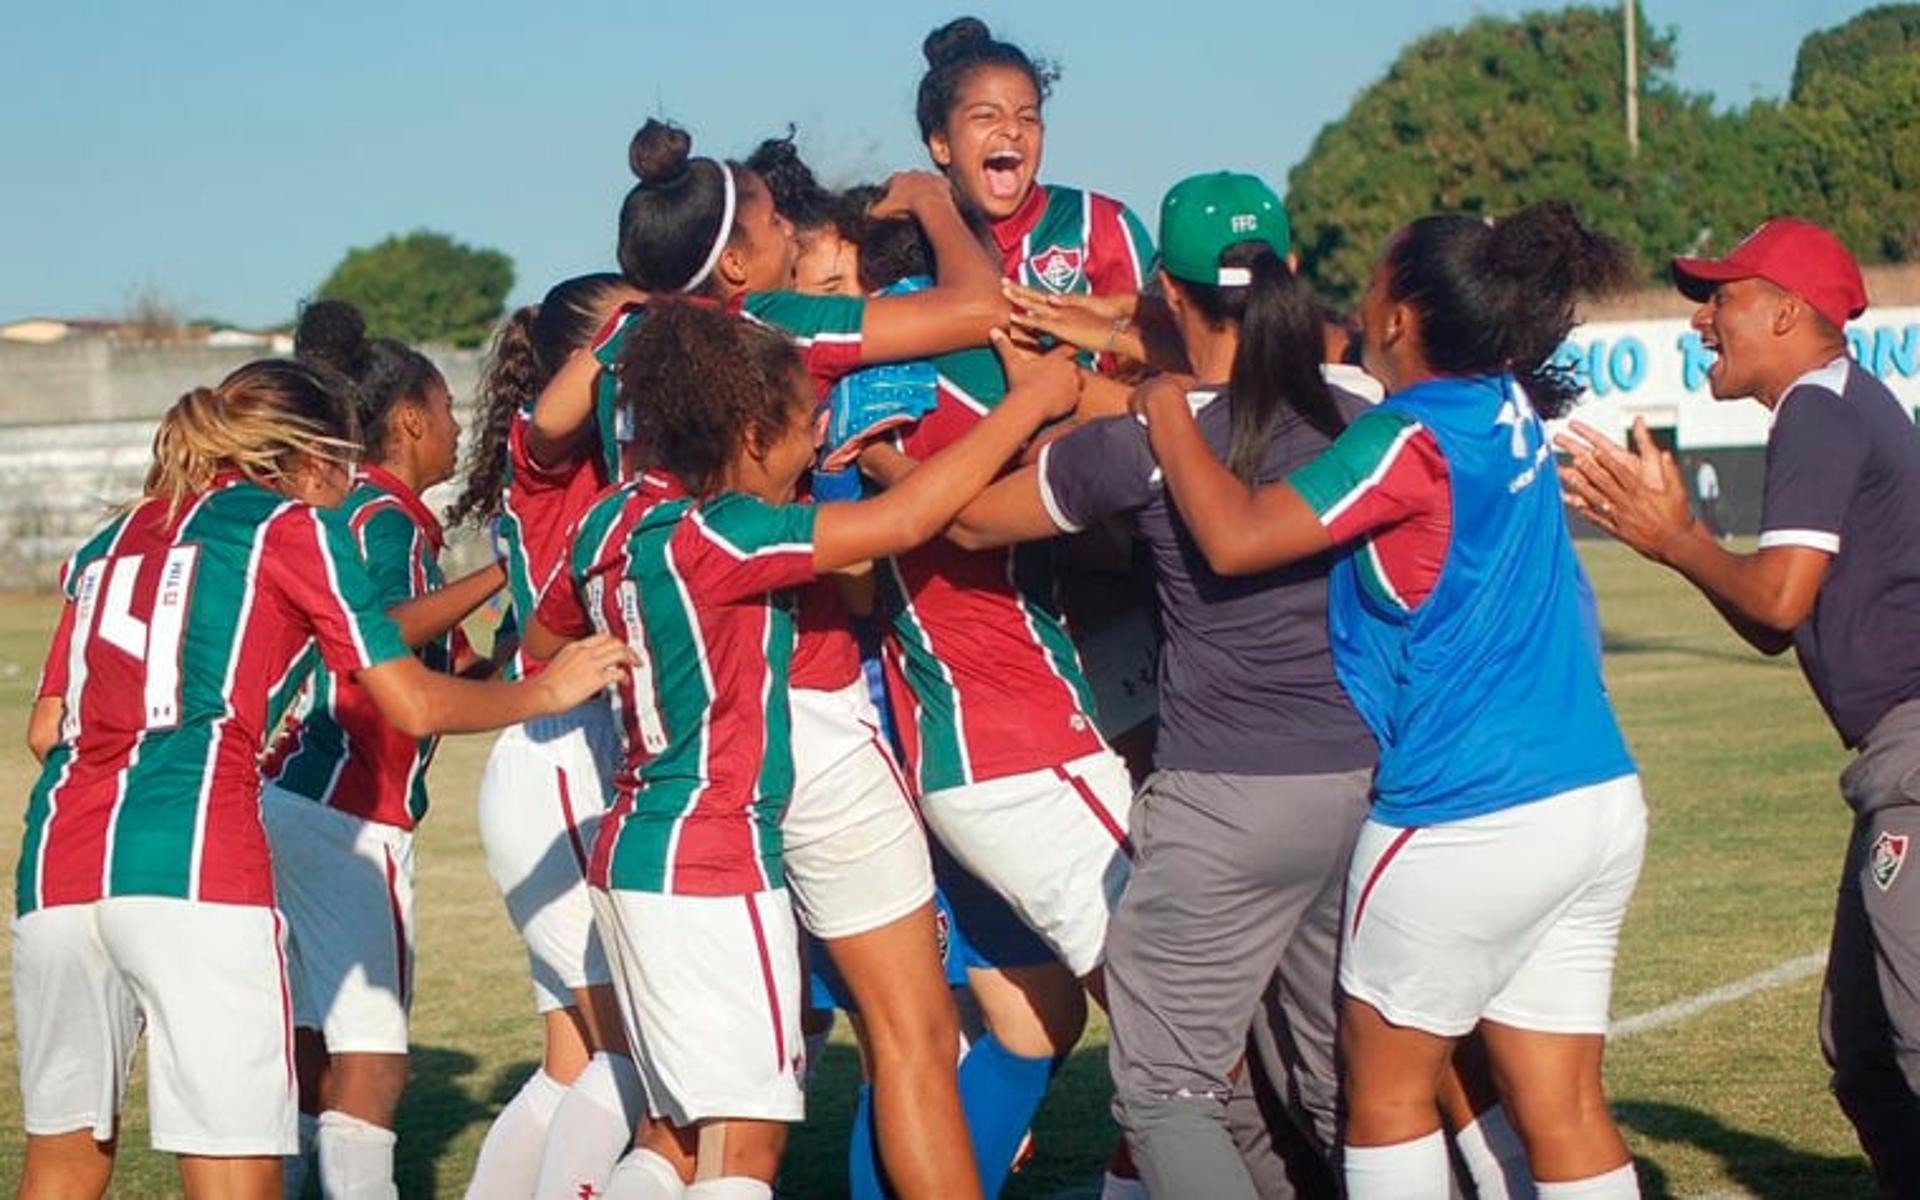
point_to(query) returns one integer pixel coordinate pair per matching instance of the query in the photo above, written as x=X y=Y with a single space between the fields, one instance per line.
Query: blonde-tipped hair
x=260 y=421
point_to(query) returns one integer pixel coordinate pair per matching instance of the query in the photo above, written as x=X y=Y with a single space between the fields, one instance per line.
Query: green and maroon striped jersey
x=1075 y=243
x=698 y=589
x=336 y=748
x=982 y=676
x=176 y=631
x=827 y=330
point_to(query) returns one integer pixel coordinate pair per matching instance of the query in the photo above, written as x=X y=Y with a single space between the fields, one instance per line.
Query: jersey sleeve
x=560 y=609
x=54 y=672
x=1384 y=469
x=1120 y=251
x=1103 y=468
x=317 y=568
x=826 y=328
x=389 y=544
x=1816 y=455
x=743 y=547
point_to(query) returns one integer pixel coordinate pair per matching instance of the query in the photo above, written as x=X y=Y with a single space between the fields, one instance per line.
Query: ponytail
x=1276 y=367
x=531 y=346
x=260 y=420
x=1497 y=297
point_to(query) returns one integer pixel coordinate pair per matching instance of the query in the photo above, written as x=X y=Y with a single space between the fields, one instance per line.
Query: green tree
x=1501 y=113
x=1888 y=32
x=424 y=287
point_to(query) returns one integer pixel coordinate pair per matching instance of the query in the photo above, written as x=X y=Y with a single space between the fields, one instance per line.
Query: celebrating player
x=1459 y=633
x=344 y=789
x=546 y=783
x=688 y=563
x=145 y=887
x=856 y=855
x=1245 y=830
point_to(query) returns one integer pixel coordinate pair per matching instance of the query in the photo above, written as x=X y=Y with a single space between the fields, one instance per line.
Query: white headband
x=720 y=239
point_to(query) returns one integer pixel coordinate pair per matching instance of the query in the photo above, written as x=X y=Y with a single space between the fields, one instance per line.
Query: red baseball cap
x=1790 y=253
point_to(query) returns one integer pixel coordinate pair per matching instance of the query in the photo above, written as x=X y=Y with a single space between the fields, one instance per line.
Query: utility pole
x=1628 y=9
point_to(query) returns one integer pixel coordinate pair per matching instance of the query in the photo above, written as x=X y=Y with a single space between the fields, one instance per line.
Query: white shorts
x=541 y=800
x=710 y=988
x=208 y=982
x=856 y=855
x=1053 y=843
x=1513 y=917
x=345 y=886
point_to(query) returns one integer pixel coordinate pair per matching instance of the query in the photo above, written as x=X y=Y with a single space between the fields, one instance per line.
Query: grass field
x=1747 y=837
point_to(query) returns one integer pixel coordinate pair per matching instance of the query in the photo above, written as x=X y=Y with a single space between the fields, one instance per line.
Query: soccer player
x=856 y=854
x=1015 y=782
x=691 y=564
x=1244 y=832
x=1837 y=577
x=979 y=108
x=546 y=782
x=1489 y=884
x=145 y=886
x=343 y=788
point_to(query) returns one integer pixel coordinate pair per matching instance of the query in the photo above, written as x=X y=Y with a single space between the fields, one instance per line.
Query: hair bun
x=333 y=334
x=952 y=41
x=658 y=154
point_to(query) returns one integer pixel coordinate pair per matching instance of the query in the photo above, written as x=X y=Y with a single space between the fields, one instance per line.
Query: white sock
x=730 y=1187
x=1413 y=1170
x=1618 y=1184
x=591 y=1129
x=645 y=1175
x=1495 y=1156
x=356 y=1158
x=293 y=1167
x=510 y=1157
x=1113 y=1187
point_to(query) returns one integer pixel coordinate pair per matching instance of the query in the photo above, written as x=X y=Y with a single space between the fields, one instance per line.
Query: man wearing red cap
x=1837 y=577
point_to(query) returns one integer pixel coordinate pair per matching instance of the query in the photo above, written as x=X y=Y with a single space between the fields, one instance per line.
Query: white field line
x=1792 y=970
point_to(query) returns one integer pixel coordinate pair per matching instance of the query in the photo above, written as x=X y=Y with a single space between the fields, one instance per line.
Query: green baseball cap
x=1204 y=214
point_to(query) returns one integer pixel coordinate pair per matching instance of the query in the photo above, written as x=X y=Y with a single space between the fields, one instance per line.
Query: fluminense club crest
x=1888 y=855
x=1058 y=267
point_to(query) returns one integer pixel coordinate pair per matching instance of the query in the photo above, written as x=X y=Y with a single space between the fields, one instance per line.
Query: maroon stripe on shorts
x=573 y=823
x=286 y=994
x=399 y=924
x=766 y=977
x=1098 y=810
x=1373 y=877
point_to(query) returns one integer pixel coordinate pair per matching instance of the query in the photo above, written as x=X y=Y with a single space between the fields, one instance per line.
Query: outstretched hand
x=1052 y=378
x=908 y=191
x=583 y=669
x=1634 y=495
x=1090 y=322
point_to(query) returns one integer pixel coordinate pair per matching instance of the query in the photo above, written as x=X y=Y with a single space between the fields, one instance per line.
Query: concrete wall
x=76 y=423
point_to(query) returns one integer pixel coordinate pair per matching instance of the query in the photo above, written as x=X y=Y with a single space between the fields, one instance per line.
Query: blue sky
x=227 y=155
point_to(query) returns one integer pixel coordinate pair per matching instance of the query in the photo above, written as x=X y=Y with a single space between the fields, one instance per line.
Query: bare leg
x=908 y=1032
x=205 y=1178
x=1553 y=1091
x=67 y=1166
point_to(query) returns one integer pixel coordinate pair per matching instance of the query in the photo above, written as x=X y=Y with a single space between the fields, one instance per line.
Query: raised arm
x=1241 y=530
x=965 y=301
x=563 y=416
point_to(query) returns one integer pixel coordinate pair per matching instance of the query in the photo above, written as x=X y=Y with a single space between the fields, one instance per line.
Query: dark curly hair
x=699 y=383
x=797 y=194
x=530 y=347
x=1498 y=296
x=382 y=373
x=955 y=51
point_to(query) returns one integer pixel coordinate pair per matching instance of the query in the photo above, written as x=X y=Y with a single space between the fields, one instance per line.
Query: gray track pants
x=1234 y=876
x=1870 y=1007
